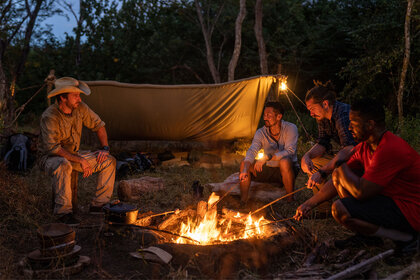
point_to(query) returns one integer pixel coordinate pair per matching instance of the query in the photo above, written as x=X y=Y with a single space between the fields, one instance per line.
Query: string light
x=282 y=80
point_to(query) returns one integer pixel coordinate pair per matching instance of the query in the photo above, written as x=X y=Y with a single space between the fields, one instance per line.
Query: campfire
x=205 y=226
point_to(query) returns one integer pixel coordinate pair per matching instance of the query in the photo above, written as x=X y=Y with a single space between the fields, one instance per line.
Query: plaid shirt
x=337 y=128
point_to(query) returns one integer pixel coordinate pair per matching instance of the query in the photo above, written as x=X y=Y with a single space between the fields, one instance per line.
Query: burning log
x=173 y=220
x=201 y=210
x=234 y=215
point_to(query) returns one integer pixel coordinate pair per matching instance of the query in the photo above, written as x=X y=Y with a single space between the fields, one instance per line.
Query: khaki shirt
x=65 y=130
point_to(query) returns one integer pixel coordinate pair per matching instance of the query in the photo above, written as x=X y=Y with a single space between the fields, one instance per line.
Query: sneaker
x=69 y=219
x=359 y=240
x=405 y=248
x=96 y=210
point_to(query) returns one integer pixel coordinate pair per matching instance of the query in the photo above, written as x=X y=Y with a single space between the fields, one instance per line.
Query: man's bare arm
x=316 y=151
x=343 y=154
x=358 y=187
x=103 y=138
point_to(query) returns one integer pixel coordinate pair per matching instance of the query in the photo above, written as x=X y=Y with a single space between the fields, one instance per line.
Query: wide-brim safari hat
x=68 y=84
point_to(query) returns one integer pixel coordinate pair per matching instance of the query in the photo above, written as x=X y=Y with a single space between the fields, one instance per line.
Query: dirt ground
x=25 y=204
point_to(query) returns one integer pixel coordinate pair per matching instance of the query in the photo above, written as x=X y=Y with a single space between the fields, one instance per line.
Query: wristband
x=105 y=148
x=323 y=173
x=338 y=163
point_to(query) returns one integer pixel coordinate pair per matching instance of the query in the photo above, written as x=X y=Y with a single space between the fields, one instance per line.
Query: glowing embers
x=209 y=227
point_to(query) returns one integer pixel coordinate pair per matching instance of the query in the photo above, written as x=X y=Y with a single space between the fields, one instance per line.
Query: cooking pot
x=38 y=261
x=121 y=213
x=56 y=239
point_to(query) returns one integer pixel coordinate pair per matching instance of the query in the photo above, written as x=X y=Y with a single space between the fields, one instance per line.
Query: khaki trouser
x=60 y=169
x=319 y=162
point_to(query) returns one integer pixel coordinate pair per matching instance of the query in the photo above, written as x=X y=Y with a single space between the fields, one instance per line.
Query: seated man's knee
x=63 y=166
x=112 y=160
x=286 y=164
x=340 y=212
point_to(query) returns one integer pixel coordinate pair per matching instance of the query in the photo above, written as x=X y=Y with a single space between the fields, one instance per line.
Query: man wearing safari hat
x=61 y=129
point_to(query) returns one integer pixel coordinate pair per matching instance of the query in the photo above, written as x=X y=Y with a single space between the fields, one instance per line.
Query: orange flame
x=213 y=230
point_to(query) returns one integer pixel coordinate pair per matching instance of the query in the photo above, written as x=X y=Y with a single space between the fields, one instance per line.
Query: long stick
x=155 y=229
x=270 y=223
x=223 y=196
x=274 y=201
x=155 y=215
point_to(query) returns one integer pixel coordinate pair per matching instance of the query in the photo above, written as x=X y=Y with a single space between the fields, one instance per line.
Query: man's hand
x=243 y=176
x=260 y=163
x=314 y=180
x=307 y=165
x=102 y=155
x=87 y=169
x=302 y=211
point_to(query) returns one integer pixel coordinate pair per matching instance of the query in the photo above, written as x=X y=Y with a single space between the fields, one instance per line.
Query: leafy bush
x=410 y=130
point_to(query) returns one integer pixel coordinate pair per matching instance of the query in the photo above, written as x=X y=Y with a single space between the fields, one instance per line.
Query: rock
x=201 y=157
x=175 y=162
x=181 y=155
x=209 y=165
x=230 y=159
x=133 y=189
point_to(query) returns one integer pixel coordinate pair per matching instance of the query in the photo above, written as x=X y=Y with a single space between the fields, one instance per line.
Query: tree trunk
x=238 y=40
x=207 y=33
x=259 y=36
x=4 y=94
x=406 y=60
x=26 y=45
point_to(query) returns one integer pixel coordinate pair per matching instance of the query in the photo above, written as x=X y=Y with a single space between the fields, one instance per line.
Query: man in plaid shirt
x=333 y=124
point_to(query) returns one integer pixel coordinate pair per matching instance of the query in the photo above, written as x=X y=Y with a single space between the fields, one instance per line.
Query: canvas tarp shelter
x=209 y=112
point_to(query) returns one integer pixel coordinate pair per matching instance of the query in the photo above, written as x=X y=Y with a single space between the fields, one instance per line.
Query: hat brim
x=82 y=88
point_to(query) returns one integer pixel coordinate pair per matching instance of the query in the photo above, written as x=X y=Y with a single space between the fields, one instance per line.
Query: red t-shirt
x=395 y=166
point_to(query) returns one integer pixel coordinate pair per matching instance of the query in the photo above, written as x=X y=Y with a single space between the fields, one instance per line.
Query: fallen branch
x=319 y=250
x=360 y=267
x=406 y=271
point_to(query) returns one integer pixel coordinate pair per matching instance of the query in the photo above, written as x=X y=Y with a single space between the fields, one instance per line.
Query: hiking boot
x=96 y=210
x=408 y=248
x=359 y=240
x=69 y=219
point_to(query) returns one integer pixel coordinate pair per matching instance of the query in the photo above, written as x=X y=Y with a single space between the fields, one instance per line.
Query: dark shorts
x=380 y=210
x=271 y=174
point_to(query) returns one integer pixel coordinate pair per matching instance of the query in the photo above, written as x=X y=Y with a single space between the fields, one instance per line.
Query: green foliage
x=356 y=44
x=410 y=130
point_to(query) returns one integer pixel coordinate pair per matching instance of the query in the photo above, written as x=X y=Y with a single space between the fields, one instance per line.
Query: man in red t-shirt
x=378 y=186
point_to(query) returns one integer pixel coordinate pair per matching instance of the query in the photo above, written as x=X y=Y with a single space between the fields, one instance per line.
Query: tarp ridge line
x=131 y=85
